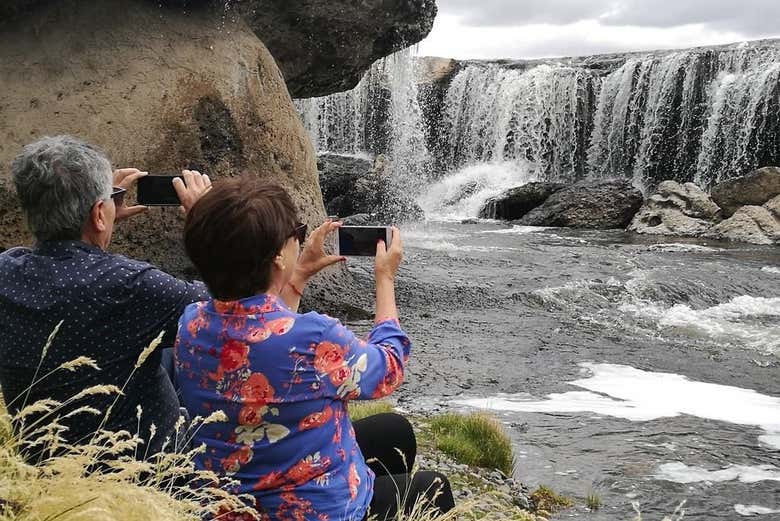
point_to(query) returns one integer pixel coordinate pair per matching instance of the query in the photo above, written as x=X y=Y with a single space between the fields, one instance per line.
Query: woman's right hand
x=190 y=187
x=389 y=259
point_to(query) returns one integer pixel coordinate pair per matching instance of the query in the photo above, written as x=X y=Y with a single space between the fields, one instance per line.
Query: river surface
x=645 y=370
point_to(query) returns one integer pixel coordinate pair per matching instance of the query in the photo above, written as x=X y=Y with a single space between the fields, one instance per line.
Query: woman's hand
x=191 y=188
x=127 y=178
x=313 y=258
x=389 y=259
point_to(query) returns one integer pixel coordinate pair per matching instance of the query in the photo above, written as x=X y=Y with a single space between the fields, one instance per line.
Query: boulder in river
x=593 y=204
x=352 y=185
x=754 y=189
x=753 y=224
x=516 y=202
x=675 y=209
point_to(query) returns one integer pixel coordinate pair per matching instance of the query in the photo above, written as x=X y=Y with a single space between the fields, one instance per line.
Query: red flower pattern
x=328 y=357
x=315 y=420
x=233 y=356
x=257 y=390
x=243 y=381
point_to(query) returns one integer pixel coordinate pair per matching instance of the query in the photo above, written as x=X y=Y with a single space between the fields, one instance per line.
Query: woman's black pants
x=389 y=447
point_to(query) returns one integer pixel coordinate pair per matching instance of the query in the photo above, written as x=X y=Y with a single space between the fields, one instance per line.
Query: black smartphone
x=360 y=241
x=157 y=190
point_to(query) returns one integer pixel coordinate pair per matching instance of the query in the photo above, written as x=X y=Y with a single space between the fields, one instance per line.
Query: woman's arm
x=348 y=368
x=385 y=268
x=312 y=260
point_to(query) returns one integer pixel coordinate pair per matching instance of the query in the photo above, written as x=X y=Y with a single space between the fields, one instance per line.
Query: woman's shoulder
x=316 y=320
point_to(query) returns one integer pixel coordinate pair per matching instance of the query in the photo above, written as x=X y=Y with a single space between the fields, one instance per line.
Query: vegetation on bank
x=476 y=439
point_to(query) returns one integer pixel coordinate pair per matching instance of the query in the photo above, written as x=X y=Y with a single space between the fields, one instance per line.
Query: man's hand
x=191 y=189
x=127 y=178
x=313 y=258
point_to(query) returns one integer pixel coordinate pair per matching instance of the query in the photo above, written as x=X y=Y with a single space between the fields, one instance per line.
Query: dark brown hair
x=234 y=232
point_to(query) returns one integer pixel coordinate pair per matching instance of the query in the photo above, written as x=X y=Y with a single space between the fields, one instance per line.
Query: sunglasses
x=300 y=232
x=118 y=195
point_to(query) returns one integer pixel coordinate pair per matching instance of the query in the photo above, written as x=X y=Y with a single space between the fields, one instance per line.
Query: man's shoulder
x=14 y=253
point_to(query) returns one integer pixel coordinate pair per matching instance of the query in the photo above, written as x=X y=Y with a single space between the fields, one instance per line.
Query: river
x=643 y=370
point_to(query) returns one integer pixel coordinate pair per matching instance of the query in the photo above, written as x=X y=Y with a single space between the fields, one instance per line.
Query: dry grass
x=66 y=483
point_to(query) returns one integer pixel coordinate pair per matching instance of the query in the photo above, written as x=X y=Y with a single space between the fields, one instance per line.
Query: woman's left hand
x=313 y=258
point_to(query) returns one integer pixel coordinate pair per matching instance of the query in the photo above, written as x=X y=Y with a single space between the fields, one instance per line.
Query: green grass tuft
x=592 y=501
x=476 y=439
x=364 y=409
x=548 y=502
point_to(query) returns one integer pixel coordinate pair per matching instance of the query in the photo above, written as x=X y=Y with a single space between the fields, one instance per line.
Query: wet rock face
x=158 y=99
x=600 y=204
x=357 y=188
x=325 y=46
x=517 y=202
x=676 y=209
x=754 y=189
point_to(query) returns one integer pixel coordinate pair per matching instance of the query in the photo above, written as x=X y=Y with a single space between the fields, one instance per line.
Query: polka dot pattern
x=112 y=307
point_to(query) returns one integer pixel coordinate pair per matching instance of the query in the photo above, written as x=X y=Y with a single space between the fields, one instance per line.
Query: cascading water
x=381 y=115
x=540 y=116
x=700 y=115
x=703 y=115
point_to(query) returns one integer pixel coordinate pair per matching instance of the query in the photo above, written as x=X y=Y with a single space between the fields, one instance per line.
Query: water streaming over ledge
x=702 y=115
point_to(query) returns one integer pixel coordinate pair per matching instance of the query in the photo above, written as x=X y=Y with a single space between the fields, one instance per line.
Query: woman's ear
x=279 y=262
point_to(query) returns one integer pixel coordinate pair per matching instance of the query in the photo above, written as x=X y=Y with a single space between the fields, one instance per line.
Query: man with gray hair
x=111 y=307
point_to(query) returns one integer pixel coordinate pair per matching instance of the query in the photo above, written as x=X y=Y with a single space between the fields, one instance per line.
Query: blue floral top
x=283 y=380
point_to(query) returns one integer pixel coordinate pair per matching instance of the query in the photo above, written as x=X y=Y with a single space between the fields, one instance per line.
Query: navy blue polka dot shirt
x=112 y=308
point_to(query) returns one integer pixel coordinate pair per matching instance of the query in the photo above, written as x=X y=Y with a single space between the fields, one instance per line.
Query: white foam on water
x=518 y=230
x=636 y=395
x=754 y=510
x=674 y=247
x=745 y=320
x=771 y=269
x=678 y=472
x=446 y=246
x=443 y=200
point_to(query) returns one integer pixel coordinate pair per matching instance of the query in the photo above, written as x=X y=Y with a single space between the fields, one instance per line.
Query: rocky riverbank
x=743 y=209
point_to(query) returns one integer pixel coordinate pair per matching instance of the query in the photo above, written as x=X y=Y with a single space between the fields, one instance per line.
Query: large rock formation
x=676 y=209
x=594 y=204
x=753 y=224
x=753 y=189
x=321 y=46
x=160 y=91
x=325 y=46
x=517 y=202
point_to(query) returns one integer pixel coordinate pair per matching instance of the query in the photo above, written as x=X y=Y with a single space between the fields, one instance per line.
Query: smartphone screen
x=157 y=190
x=360 y=241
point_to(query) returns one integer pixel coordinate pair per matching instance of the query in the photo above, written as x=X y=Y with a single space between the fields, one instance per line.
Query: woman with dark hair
x=283 y=379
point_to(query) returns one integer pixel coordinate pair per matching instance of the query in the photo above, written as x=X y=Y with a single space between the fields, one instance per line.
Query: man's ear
x=98 y=219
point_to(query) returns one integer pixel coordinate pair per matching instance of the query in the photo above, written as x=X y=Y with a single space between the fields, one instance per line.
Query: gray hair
x=58 y=180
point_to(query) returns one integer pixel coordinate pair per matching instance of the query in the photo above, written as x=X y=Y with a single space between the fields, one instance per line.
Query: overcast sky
x=549 y=28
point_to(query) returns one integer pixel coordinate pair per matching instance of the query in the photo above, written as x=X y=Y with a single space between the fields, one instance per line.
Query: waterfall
x=743 y=130
x=540 y=116
x=381 y=115
x=702 y=115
